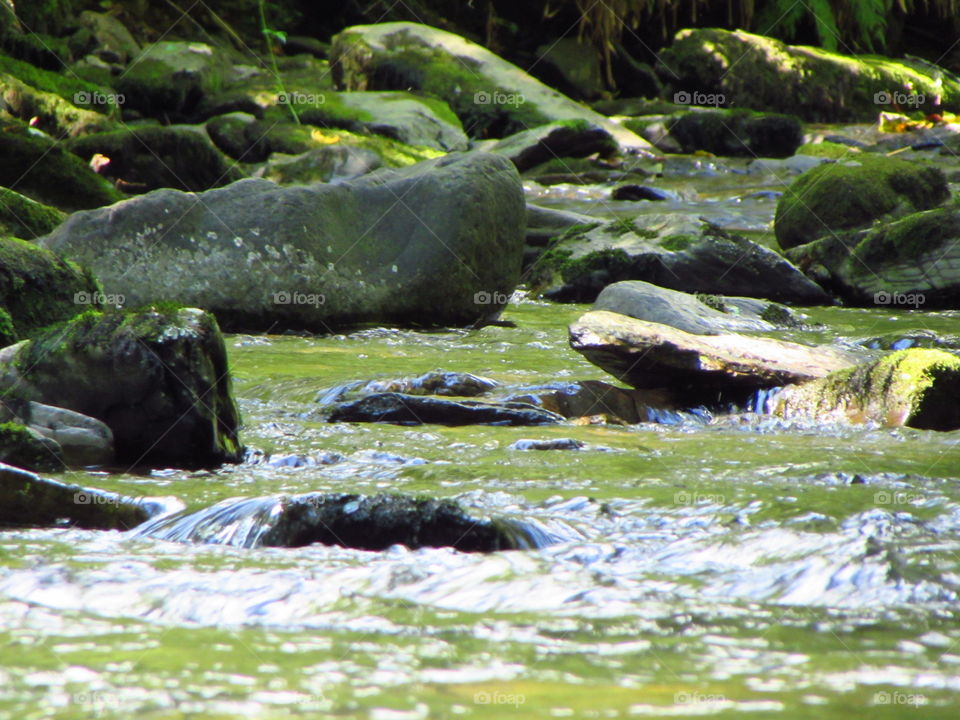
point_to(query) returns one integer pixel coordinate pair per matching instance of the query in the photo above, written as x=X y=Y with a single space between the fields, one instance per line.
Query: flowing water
x=743 y=566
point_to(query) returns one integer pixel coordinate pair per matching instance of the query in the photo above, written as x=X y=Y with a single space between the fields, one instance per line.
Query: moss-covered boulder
x=28 y=500
x=66 y=438
x=168 y=79
x=158 y=378
x=38 y=288
x=290 y=139
x=26 y=448
x=760 y=73
x=42 y=169
x=672 y=251
x=909 y=264
x=853 y=193
x=241 y=136
x=147 y=158
x=322 y=164
x=914 y=388
x=492 y=97
x=22 y=217
x=736 y=132
x=401 y=116
x=320 y=256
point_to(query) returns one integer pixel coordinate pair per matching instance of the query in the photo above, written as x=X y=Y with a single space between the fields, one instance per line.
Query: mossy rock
x=761 y=73
x=241 y=136
x=827 y=149
x=914 y=388
x=38 y=288
x=24 y=218
x=842 y=196
x=28 y=449
x=38 y=49
x=41 y=169
x=737 y=132
x=151 y=157
x=68 y=87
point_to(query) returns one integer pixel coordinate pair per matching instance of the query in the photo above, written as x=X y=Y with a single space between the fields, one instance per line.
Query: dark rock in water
x=28 y=500
x=912 y=339
x=913 y=388
x=852 y=194
x=650 y=355
x=355 y=521
x=529 y=148
x=551 y=444
x=147 y=158
x=456 y=384
x=159 y=380
x=592 y=398
x=38 y=288
x=737 y=132
x=403 y=409
x=673 y=251
x=698 y=314
x=313 y=258
x=639 y=192
x=28 y=449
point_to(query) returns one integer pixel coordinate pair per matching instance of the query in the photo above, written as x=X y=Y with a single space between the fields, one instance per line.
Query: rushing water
x=748 y=565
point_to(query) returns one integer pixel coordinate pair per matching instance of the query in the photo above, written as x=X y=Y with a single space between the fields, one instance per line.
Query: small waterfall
x=239 y=522
x=762 y=401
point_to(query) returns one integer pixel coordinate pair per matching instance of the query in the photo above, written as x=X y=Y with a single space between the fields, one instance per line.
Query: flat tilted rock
x=650 y=355
x=401 y=409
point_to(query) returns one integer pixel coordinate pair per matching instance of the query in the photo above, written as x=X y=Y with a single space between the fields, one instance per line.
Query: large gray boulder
x=492 y=97
x=438 y=243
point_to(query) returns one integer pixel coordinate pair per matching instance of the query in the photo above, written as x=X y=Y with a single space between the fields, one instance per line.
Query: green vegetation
x=24 y=218
x=827 y=149
x=24 y=448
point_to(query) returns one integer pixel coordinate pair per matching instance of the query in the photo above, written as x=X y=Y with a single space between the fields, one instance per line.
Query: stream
x=748 y=565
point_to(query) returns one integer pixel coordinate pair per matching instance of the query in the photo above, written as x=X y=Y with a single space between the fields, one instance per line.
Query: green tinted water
x=785 y=571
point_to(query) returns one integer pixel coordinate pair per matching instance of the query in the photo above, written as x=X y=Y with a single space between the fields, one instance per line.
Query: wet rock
x=456 y=384
x=911 y=339
x=401 y=116
x=635 y=193
x=492 y=97
x=69 y=438
x=158 y=380
x=364 y=522
x=28 y=500
x=697 y=314
x=111 y=41
x=544 y=224
x=752 y=71
x=852 y=194
x=24 y=218
x=43 y=170
x=317 y=257
x=597 y=399
x=676 y=252
x=402 y=409
x=650 y=355
x=26 y=448
x=147 y=158
x=914 y=388
x=571 y=66
x=240 y=135
x=38 y=288
x=911 y=263
x=736 y=132
x=322 y=164
x=168 y=79
x=568 y=139
x=551 y=444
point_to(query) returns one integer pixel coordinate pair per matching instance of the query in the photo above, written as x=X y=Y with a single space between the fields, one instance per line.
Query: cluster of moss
x=22 y=217
x=70 y=88
x=21 y=447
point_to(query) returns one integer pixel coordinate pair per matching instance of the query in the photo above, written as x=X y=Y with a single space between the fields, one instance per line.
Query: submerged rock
x=356 y=521
x=261 y=256
x=551 y=444
x=28 y=500
x=914 y=388
x=457 y=384
x=745 y=70
x=159 y=380
x=492 y=97
x=401 y=409
x=650 y=355
x=852 y=194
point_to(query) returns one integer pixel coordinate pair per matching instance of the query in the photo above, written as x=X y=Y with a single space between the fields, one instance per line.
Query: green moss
x=677 y=242
x=838 y=196
x=827 y=149
x=8 y=334
x=908 y=238
x=22 y=217
x=622 y=226
x=613 y=261
x=21 y=447
x=70 y=88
